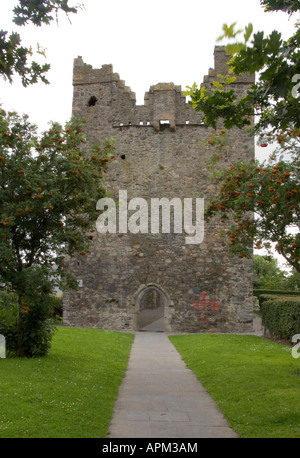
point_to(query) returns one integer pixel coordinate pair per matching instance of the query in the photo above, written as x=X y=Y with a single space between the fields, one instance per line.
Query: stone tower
x=140 y=281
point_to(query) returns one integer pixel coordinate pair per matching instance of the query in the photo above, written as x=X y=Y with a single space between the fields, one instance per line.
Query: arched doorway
x=151 y=306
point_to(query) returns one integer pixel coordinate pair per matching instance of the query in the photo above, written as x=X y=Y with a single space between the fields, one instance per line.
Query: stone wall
x=158 y=154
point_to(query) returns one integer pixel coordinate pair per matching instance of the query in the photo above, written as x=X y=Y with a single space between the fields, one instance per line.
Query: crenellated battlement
x=84 y=74
x=221 y=59
x=102 y=93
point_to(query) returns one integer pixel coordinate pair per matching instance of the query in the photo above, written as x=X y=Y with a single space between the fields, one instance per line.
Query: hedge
x=281 y=317
x=270 y=294
x=259 y=292
x=274 y=297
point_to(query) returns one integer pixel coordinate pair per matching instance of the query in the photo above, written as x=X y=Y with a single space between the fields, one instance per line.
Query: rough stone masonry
x=193 y=288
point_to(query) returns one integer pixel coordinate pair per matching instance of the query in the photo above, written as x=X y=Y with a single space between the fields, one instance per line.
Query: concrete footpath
x=161 y=398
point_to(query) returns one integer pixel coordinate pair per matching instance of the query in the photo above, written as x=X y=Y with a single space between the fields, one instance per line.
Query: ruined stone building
x=139 y=281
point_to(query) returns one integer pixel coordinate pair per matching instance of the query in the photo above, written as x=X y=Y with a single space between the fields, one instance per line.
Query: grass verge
x=255 y=382
x=68 y=394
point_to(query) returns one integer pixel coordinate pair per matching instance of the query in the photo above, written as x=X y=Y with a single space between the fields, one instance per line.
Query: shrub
x=274 y=297
x=259 y=292
x=37 y=327
x=269 y=294
x=36 y=324
x=8 y=319
x=281 y=316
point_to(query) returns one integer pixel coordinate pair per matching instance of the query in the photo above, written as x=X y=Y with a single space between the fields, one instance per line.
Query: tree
x=49 y=187
x=268 y=273
x=13 y=56
x=293 y=281
x=274 y=97
x=289 y=6
x=270 y=190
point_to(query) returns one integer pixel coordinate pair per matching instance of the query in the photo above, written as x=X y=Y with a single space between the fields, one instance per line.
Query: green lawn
x=255 y=382
x=71 y=392
x=68 y=394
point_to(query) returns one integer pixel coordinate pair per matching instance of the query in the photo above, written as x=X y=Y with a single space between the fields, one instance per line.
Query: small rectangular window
x=164 y=124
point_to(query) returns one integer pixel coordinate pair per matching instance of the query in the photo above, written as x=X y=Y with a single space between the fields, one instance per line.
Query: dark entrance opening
x=152 y=309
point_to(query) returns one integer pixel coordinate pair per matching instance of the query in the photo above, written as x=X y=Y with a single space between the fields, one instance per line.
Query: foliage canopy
x=15 y=58
x=270 y=190
x=49 y=186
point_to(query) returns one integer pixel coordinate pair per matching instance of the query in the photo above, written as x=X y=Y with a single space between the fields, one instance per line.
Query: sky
x=146 y=42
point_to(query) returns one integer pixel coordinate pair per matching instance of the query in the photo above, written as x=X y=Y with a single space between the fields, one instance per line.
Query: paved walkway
x=161 y=398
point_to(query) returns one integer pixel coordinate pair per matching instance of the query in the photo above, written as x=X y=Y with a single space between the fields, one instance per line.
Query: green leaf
x=229 y=32
x=190 y=90
x=274 y=43
x=235 y=48
x=230 y=80
x=258 y=41
x=248 y=32
x=218 y=85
